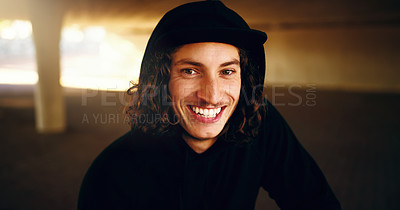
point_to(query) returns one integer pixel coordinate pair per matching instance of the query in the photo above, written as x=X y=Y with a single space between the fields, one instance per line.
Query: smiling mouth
x=206 y=112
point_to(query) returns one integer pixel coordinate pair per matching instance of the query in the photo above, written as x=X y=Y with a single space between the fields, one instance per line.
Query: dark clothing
x=143 y=172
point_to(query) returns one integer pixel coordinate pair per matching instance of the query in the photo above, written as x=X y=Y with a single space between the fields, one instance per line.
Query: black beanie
x=204 y=21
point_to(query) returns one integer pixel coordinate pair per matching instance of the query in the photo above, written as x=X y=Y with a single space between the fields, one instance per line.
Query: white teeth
x=207 y=113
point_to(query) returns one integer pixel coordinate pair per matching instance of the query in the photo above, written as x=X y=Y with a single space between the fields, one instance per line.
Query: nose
x=210 y=91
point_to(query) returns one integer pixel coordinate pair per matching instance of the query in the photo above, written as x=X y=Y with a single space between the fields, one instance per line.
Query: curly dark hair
x=150 y=107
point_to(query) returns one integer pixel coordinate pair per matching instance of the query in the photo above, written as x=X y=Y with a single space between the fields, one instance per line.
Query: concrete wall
x=351 y=58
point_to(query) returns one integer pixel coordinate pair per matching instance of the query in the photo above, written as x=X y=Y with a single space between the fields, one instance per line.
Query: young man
x=203 y=136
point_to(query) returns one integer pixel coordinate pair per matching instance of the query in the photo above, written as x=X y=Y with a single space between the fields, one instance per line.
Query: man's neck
x=197 y=145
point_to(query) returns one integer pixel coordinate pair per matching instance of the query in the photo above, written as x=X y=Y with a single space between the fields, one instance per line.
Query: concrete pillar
x=46 y=17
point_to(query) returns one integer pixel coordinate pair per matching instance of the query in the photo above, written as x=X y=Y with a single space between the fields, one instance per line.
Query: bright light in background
x=72 y=34
x=17 y=58
x=95 y=33
x=17 y=29
x=97 y=59
x=20 y=77
x=91 y=57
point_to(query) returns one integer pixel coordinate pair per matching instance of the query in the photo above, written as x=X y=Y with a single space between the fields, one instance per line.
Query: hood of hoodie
x=206 y=21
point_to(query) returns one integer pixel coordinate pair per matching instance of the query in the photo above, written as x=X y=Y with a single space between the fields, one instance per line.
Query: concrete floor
x=354 y=137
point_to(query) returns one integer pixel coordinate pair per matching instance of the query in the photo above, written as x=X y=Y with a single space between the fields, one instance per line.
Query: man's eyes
x=225 y=72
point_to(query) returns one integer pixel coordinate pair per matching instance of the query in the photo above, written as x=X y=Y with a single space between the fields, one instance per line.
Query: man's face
x=205 y=87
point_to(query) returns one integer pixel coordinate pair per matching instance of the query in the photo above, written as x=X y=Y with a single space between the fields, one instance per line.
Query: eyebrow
x=195 y=63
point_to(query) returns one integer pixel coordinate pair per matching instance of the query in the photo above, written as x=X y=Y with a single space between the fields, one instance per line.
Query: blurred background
x=333 y=71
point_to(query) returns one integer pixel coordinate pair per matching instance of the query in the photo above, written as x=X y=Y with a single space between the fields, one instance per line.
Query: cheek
x=181 y=89
x=233 y=89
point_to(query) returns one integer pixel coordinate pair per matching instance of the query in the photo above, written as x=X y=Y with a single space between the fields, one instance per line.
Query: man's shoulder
x=273 y=128
x=272 y=120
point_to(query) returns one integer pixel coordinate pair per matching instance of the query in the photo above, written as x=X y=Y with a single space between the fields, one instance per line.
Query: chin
x=203 y=136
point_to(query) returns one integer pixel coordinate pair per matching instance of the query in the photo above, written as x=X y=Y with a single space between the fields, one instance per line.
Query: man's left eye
x=227 y=72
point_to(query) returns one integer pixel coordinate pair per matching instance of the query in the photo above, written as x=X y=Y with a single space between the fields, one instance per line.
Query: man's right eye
x=189 y=71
